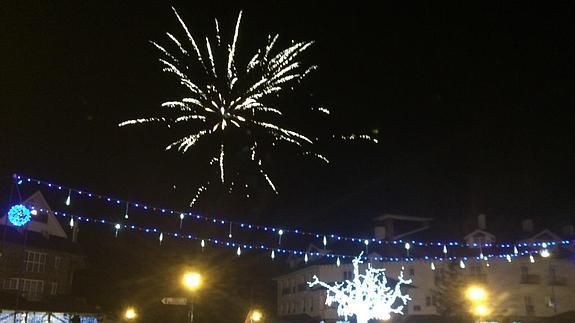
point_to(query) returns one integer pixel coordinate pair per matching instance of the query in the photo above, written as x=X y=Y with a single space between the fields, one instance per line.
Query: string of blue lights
x=204 y=241
x=325 y=238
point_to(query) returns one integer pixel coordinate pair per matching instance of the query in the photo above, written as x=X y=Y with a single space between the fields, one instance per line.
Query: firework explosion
x=224 y=95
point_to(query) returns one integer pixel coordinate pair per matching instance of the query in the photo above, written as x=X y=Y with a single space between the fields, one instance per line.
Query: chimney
x=75 y=232
x=527 y=225
x=389 y=229
x=568 y=230
x=481 y=221
x=379 y=232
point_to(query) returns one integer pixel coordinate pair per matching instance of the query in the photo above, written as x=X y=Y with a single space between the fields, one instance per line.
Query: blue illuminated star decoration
x=19 y=215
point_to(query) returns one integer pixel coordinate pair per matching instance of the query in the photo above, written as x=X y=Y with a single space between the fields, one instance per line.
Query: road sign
x=174 y=301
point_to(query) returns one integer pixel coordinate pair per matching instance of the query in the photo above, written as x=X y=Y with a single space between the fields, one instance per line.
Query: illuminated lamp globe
x=476 y=294
x=481 y=310
x=130 y=313
x=256 y=316
x=192 y=280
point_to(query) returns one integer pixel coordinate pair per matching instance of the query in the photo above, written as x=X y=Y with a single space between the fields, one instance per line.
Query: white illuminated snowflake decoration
x=367 y=296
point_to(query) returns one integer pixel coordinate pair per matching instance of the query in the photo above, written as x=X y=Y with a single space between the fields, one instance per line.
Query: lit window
x=35 y=262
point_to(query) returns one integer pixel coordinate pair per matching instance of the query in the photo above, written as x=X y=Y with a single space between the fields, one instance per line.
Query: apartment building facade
x=520 y=290
x=37 y=265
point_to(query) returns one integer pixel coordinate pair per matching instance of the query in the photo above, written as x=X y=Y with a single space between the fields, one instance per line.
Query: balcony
x=530 y=279
x=557 y=281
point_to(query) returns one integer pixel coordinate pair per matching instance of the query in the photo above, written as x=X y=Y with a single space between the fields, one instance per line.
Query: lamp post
x=477 y=295
x=191 y=281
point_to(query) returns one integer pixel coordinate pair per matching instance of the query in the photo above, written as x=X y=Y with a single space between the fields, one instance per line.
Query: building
x=520 y=290
x=37 y=265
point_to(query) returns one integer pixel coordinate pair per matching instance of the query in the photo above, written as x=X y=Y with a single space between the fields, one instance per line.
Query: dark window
x=57 y=262
x=348 y=275
x=529 y=308
x=524 y=270
x=416 y=308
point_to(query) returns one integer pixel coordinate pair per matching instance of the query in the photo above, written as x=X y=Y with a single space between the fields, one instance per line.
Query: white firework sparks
x=222 y=94
x=231 y=97
x=358 y=137
x=198 y=193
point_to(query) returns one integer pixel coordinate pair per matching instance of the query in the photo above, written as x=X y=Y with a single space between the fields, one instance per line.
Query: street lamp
x=130 y=314
x=481 y=310
x=476 y=294
x=254 y=315
x=191 y=281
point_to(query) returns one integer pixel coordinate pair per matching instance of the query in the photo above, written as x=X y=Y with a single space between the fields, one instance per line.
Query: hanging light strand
x=270 y=229
x=162 y=234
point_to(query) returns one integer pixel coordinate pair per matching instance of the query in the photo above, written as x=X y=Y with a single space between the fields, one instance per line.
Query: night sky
x=473 y=105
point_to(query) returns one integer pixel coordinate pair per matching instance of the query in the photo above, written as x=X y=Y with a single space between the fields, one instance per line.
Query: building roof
x=401 y=217
x=503 y=230
x=44 y=231
x=10 y=234
x=43 y=219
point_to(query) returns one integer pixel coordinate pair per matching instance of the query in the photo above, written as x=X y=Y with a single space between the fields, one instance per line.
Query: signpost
x=174 y=301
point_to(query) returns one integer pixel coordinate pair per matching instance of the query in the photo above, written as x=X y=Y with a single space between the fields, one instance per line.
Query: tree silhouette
x=449 y=295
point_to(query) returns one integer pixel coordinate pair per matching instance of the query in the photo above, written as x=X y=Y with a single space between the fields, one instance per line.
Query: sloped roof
x=44 y=221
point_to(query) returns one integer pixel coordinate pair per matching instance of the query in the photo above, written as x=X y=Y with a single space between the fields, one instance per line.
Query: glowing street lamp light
x=191 y=281
x=476 y=294
x=130 y=314
x=481 y=310
x=256 y=316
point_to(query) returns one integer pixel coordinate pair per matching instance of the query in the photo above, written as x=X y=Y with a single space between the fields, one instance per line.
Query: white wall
x=503 y=280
